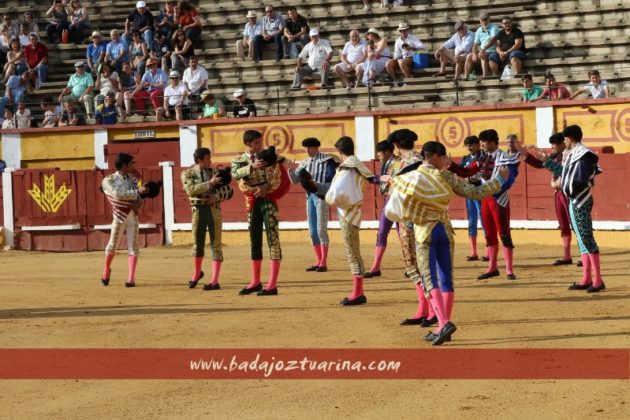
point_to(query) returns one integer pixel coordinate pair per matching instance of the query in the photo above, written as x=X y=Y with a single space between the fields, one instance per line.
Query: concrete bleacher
x=567 y=37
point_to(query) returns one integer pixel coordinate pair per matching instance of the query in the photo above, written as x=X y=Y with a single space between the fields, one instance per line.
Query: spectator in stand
x=189 y=21
x=5 y=43
x=16 y=64
x=36 y=55
x=15 y=91
x=353 y=54
x=483 y=46
x=212 y=106
x=166 y=23
x=151 y=87
x=377 y=57
x=52 y=112
x=597 y=87
x=140 y=20
x=195 y=79
x=80 y=88
x=79 y=21
x=455 y=50
x=175 y=100
x=182 y=50
x=9 y=122
x=107 y=81
x=139 y=52
x=295 y=32
x=106 y=112
x=244 y=107
x=59 y=22
x=272 y=31
x=319 y=53
x=129 y=80
x=23 y=37
x=72 y=116
x=30 y=22
x=405 y=46
x=252 y=29
x=95 y=54
x=14 y=27
x=510 y=45
x=531 y=92
x=117 y=51
x=161 y=50
x=23 y=116
x=553 y=90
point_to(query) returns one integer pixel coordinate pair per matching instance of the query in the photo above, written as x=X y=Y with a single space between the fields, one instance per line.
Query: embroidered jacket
x=122 y=193
x=195 y=182
x=249 y=179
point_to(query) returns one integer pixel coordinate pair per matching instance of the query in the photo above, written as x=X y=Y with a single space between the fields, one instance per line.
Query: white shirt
x=316 y=53
x=462 y=45
x=106 y=83
x=194 y=80
x=24 y=119
x=597 y=92
x=175 y=94
x=354 y=52
x=8 y=124
x=411 y=40
x=51 y=118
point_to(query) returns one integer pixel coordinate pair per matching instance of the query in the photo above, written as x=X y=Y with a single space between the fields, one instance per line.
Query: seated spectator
x=106 y=113
x=117 y=51
x=36 y=55
x=182 y=50
x=72 y=116
x=15 y=91
x=252 y=29
x=129 y=80
x=189 y=21
x=80 y=88
x=377 y=57
x=597 y=87
x=195 y=79
x=30 y=22
x=23 y=37
x=58 y=24
x=95 y=54
x=510 y=46
x=5 y=43
x=166 y=23
x=139 y=52
x=272 y=31
x=244 y=107
x=79 y=21
x=140 y=20
x=295 y=32
x=151 y=86
x=553 y=90
x=161 y=50
x=9 y=122
x=107 y=81
x=52 y=112
x=483 y=47
x=14 y=27
x=405 y=46
x=175 y=100
x=212 y=106
x=318 y=53
x=23 y=116
x=455 y=50
x=16 y=63
x=531 y=92
x=354 y=53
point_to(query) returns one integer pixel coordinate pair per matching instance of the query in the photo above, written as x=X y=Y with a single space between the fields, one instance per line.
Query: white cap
x=140 y=4
x=173 y=73
x=238 y=93
x=313 y=32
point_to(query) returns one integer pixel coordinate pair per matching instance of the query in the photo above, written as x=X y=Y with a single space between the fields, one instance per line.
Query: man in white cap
x=243 y=107
x=405 y=46
x=95 y=53
x=353 y=54
x=80 y=88
x=483 y=46
x=319 y=53
x=252 y=29
x=455 y=50
x=175 y=99
x=140 y=20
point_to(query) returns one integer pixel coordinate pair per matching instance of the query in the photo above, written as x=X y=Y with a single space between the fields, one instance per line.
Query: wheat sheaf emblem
x=50 y=199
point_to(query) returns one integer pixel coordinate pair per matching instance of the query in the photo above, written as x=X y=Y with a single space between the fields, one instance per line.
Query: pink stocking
x=357 y=287
x=493 y=252
x=132 y=261
x=322 y=261
x=108 y=266
x=378 y=257
x=435 y=299
x=586 y=270
x=256 y=267
x=274 y=270
x=508 y=256
x=318 y=254
x=216 y=269
x=566 y=246
x=595 y=266
x=423 y=305
x=197 y=267
x=473 y=246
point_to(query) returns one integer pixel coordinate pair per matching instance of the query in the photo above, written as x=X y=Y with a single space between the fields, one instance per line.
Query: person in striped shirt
x=321 y=169
x=123 y=193
x=346 y=192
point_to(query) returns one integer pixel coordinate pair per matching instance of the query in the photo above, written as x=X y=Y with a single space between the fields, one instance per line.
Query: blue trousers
x=473 y=210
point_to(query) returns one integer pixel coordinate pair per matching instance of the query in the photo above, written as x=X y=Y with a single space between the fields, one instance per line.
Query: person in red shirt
x=36 y=55
x=553 y=90
x=188 y=19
